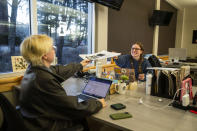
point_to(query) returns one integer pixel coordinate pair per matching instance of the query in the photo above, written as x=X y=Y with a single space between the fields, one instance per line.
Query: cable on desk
x=159 y=108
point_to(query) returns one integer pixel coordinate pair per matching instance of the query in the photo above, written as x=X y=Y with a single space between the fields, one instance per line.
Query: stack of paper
x=100 y=55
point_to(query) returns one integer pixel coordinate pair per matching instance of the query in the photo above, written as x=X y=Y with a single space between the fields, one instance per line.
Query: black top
x=44 y=103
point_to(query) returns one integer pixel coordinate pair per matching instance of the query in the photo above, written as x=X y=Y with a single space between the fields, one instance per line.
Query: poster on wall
x=194 y=38
x=18 y=63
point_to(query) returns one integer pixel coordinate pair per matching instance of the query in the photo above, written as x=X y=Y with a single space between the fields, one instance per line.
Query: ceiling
x=185 y=3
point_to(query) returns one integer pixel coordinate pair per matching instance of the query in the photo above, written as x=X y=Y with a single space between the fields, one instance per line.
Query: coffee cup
x=120 y=88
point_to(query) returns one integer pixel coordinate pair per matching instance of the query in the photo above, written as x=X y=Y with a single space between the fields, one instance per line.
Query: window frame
x=34 y=30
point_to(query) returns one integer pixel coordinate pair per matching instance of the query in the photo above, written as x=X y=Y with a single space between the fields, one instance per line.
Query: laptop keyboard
x=84 y=97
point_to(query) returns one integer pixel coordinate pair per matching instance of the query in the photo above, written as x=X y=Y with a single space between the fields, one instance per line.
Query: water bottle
x=98 y=69
x=148 y=83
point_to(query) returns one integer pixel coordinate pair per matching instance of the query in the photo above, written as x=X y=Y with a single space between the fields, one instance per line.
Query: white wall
x=186 y=23
x=190 y=24
x=179 y=28
x=156 y=31
x=101 y=27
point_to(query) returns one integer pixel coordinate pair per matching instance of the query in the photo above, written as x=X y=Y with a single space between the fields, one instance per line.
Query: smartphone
x=122 y=115
x=118 y=106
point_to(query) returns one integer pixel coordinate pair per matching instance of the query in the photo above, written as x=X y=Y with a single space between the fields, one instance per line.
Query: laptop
x=96 y=88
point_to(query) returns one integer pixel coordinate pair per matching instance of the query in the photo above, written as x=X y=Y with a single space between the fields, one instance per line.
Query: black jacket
x=44 y=103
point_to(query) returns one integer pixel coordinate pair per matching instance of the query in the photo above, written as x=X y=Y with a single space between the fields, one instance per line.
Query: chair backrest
x=1 y=118
x=12 y=120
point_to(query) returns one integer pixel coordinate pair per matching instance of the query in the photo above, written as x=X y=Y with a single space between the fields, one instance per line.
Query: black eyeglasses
x=137 y=49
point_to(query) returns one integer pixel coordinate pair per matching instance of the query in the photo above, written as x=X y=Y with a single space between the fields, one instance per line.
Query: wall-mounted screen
x=194 y=38
x=114 y=4
x=161 y=18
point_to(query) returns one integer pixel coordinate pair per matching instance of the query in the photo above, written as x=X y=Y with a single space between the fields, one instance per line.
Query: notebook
x=96 y=88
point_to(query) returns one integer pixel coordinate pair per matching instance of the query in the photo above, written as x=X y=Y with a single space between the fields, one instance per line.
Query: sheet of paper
x=73 y=86
x=100 y=55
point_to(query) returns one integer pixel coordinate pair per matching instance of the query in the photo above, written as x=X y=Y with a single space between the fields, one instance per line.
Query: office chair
x=75 y=128
x=12 y=120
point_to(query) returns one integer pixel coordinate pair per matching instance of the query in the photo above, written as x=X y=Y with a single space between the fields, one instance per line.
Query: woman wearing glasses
x=44 y=104
x=135 y=61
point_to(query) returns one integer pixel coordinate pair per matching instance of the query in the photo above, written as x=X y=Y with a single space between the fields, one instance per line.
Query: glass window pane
x=66 y=21
x=14 y=27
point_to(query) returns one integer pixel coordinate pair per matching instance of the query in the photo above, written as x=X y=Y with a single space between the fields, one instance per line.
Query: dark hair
x=141 y=56
x=141 y=47
x=139 y=44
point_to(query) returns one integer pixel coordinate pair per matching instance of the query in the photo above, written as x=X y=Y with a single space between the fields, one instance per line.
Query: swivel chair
x=12 y=120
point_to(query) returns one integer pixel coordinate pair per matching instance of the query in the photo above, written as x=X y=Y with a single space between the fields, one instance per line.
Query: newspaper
x=100 y=55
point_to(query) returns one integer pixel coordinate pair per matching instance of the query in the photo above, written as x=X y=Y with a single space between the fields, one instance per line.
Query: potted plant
x=124 y=79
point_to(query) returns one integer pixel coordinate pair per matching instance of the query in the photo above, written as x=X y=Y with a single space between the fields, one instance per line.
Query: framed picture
x=18 y=63
x=194 y=38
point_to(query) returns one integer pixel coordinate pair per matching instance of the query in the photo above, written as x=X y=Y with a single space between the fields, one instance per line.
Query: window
x=14 y=27
x=68 y=22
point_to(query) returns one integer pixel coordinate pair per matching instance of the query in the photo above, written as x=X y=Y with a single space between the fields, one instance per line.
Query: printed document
x=100 y=55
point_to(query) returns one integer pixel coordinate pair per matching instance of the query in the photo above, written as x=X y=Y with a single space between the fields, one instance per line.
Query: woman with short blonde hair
x=34 y=47
x=44 y=103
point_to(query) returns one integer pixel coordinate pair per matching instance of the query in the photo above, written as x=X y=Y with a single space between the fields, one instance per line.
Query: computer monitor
x=176 y=54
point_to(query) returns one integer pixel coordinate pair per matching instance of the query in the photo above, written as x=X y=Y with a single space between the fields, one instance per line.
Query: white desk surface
x=150 y=117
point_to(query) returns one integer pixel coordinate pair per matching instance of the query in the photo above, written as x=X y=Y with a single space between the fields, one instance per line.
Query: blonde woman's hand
x=103 y=102
x=85 y=62
x=115 y=57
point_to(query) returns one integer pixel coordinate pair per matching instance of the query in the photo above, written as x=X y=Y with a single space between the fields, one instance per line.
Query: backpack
x=154 y=61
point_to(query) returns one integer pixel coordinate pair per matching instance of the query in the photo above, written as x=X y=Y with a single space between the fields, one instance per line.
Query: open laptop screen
x=97 y=87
